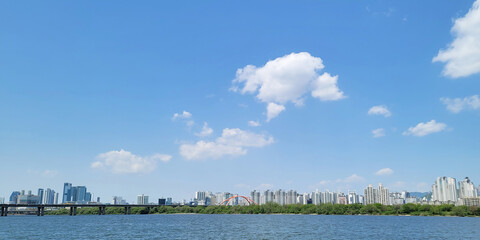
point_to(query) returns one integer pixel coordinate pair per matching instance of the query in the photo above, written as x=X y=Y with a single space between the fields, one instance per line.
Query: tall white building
x=352 y=198
x=380 y=195
x=291 y=197
x=444 y=190
x=280 y=197
x=371 y=194
x=466 y=189
x=200 y=196
x=383 y=195
x=142 y=199
x=255 y=196
x=267 y=197
x=316 y=197
x=328 y=197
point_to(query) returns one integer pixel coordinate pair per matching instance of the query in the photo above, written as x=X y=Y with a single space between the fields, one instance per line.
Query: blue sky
x=89 y=91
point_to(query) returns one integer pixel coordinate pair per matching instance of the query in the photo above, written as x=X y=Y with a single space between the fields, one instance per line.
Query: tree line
x=274 y=208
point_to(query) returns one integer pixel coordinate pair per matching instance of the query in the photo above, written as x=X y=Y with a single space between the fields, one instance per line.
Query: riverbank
x=272 y=208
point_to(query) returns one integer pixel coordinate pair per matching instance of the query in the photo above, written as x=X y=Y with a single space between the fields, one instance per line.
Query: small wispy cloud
x=457 y=105
x=423 y=129
x=379 y=132
x=253 y=123
x=384 y=172
x=380 y=110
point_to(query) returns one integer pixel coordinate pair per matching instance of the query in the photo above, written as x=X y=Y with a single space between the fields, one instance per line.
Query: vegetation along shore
x=273 y=208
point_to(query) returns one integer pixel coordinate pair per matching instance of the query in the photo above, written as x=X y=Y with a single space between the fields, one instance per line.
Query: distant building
x=317 y=197
x=14 y=197
x=444 y=190
x=142 y=199
x=352 y=198
x=384 y=195
x=47 y=196
x=291 y=197
x=380 y=195
x=118 y=200
x=28 y=198
x=267 y=197
x=466 y=189
x=280 y=196
x=67 y=192
x=75 y=194
x=255 y=196
x=371 y=195
x=472 y=201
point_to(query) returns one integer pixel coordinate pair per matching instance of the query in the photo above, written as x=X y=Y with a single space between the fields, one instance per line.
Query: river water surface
x=237 y=227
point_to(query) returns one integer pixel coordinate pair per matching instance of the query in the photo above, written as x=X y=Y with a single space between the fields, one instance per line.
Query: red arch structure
x=249 y=200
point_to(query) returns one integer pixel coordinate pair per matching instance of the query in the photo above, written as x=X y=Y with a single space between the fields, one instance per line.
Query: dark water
x=237 y=227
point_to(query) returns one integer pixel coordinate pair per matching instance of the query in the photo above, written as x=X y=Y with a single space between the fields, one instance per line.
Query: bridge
x=227 y=201
x=40 y=208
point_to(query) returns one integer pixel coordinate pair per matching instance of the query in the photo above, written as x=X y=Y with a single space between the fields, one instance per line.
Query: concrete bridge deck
x=40 y=208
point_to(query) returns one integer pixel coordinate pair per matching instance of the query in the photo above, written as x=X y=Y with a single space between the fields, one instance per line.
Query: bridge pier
x=73 y=211
x=4 y=211
x=127 y=211
x=102 y=210
x=40 y=211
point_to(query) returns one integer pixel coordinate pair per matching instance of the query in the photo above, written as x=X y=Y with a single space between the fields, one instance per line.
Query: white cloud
x=462 y=56
x=323 y=183
x=183 y=115
x=125 y=162
x=205 y=150
x=273 y=110
x=206 y=131
x=233 y=142
x=161 y=157
x=352 y=179
x=379 y=132
x=384 y=172
x=287 y=79
x=380 y=110
x=423 y=129
x=457 y=104
x=253 y=123
x=325 y=88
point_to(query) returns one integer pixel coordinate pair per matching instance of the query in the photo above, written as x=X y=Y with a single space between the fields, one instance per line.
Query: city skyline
x=164 y=99
x=444 y=190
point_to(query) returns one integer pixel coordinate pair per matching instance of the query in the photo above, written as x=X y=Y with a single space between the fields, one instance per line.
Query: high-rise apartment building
x=466 y=189
x=142 y=199
x=444 y=190
x=371 y=194
x=267 y=197
x=380 y=195
x=280 y=197
x=291 y=197
x=352 y=198
x=255 y=196
x=383 y=195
